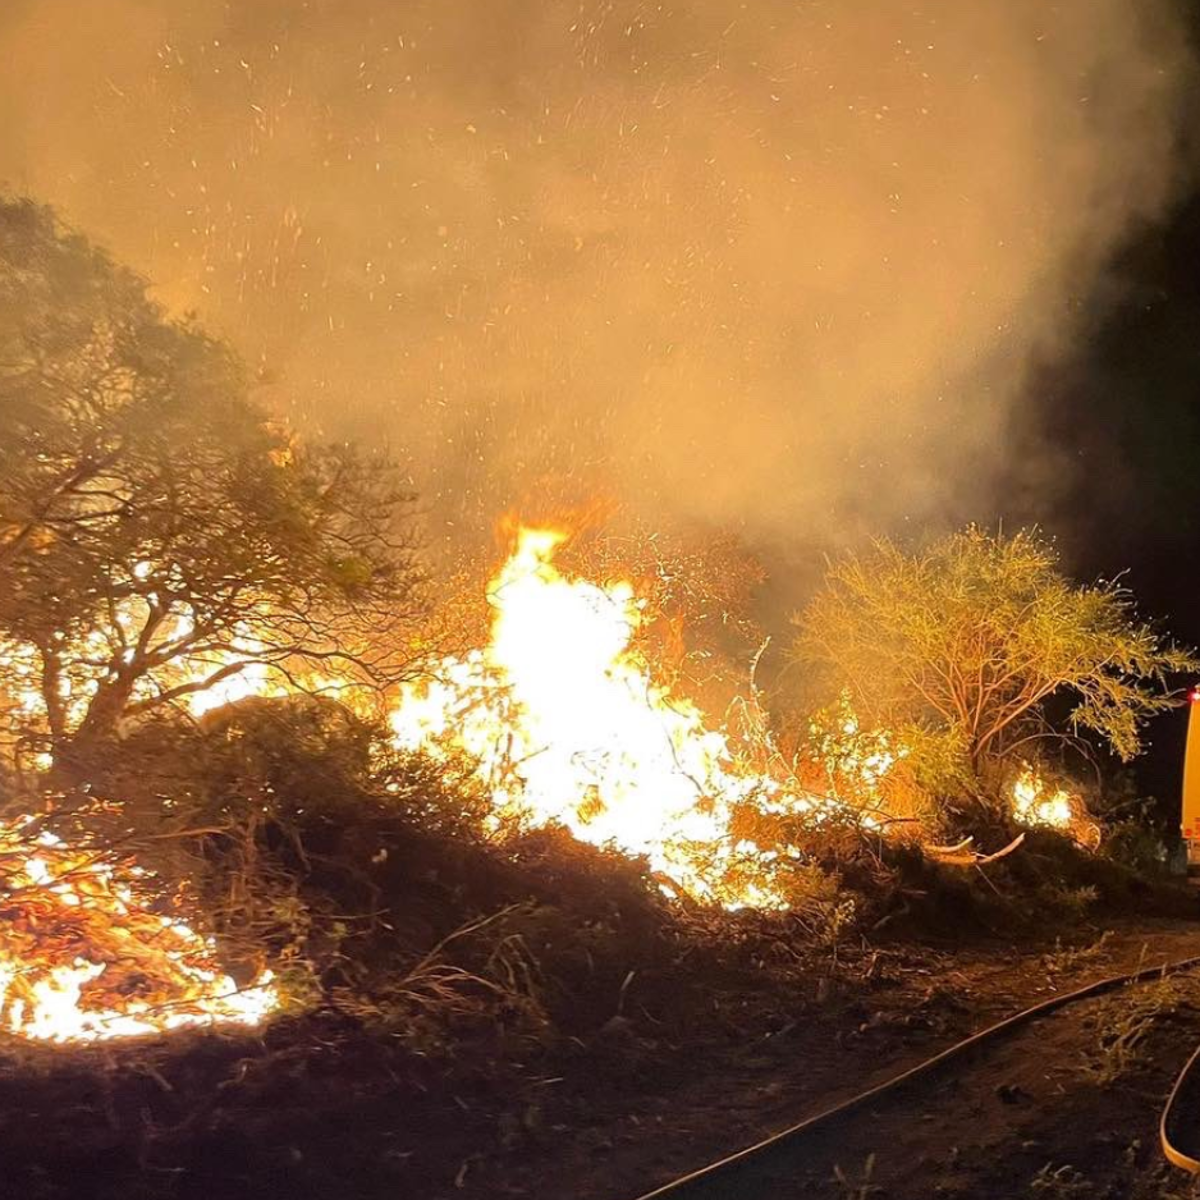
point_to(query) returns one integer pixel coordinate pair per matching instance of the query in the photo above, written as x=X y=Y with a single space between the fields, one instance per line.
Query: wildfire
x=1035 y=802
x=568 y=724
x=84 y=957
x=563 y=720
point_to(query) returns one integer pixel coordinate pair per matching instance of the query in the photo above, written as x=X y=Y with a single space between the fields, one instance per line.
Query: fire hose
x=720 y=1180
x=1167 y=1123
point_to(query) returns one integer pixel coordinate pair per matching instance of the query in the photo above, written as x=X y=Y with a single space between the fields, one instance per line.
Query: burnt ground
x=320 y=1108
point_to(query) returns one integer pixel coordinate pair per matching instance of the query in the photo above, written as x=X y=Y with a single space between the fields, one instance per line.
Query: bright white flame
x=567 y=724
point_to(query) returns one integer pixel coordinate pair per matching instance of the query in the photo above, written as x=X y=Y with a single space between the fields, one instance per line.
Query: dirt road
x=1066 y=1107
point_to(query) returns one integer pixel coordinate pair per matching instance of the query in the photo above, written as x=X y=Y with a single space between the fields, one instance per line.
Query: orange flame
x=82 y=957
x=567 y=724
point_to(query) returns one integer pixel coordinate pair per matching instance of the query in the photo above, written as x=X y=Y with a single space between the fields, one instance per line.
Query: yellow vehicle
x=1190 y=819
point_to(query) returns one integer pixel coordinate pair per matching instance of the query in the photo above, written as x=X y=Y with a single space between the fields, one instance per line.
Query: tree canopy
x=972 y=639
x=159 y=533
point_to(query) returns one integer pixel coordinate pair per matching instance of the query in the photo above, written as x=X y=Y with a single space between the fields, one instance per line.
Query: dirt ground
x=313 y=1109
x=1067 y=1107
x=1048 y=1110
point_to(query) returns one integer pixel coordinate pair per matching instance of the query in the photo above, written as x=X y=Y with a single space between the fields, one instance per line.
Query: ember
x=84 y=955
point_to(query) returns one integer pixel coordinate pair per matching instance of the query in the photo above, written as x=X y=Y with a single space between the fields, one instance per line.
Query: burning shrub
x=275 y=815
x=865 y=769
x=958 y=648
x=378 y=877
x=1040 y=798
x=567 y=721
x=89 y=948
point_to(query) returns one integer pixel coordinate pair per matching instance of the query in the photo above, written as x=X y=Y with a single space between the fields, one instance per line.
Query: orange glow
x=1036 y=802
x=568 y=724
x=84 y=958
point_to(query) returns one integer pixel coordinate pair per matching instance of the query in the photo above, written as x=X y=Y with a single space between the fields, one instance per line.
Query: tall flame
x=567 y=724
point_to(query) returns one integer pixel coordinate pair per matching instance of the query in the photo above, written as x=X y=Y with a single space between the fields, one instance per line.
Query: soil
x=1038 y=1100
x=320 y=1108
x=1063 y=1108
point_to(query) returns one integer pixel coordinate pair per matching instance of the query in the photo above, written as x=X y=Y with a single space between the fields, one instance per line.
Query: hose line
x=719 y=1180
x=1175 y=1156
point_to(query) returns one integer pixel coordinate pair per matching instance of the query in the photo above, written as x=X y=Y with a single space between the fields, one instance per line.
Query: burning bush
x=959 y=649
x=568 y=722
x=89 y=948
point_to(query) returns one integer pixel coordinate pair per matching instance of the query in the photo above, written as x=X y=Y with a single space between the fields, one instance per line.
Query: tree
x=159 y=535
x=967 y=644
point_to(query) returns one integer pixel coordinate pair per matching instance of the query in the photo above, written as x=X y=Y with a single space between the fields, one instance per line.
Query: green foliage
x=158 y=534
x=1137 y=833
x=961 y=646
x=1067 y=902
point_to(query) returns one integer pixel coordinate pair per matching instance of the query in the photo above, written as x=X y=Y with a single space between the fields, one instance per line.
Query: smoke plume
x=779 y=265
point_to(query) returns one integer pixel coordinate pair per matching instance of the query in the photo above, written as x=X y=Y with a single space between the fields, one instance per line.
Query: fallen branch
x=940 y=851
x=963 y=856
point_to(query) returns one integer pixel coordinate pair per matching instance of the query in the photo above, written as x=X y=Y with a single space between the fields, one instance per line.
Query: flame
x=1034 y=802
x=848 y=754
x=567 y=724
x=83 y=958
x=237 y=672
x=564 y=722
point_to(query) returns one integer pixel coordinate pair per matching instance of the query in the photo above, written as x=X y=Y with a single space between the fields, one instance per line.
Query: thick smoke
x=768 y=263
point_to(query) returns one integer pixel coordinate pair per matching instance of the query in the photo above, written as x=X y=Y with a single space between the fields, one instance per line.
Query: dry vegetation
x=435 y=951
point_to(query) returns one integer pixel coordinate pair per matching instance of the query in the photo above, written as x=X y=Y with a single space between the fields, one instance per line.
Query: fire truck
x=1190 y=817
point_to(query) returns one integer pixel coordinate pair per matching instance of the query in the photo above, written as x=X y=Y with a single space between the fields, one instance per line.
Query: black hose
x=718 y=1181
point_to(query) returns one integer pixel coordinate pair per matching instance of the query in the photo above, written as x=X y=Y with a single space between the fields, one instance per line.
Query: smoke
x=777 y=265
